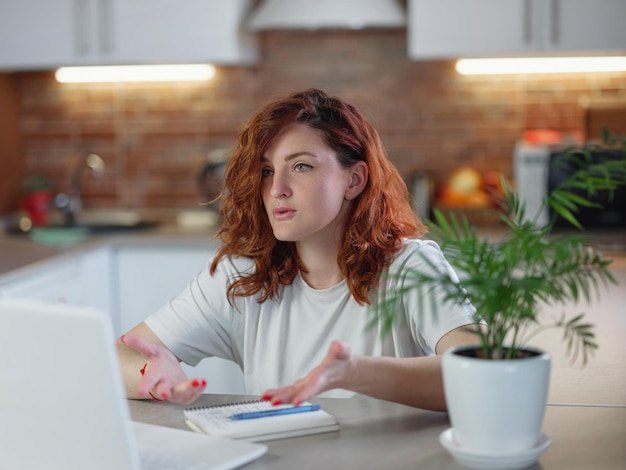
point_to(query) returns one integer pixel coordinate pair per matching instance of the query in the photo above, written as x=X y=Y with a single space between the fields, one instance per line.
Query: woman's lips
x=283 y=213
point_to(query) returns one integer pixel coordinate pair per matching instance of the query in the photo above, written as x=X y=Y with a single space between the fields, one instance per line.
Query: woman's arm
x=414 y=381
x=149 y=369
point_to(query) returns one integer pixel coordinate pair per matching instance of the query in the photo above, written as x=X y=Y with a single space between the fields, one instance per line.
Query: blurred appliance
x=537 y=172
x=530 y=172
x=326 y=14
x=422 y=192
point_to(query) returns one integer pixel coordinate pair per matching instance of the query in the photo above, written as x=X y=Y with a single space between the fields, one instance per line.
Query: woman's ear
x=358 y=180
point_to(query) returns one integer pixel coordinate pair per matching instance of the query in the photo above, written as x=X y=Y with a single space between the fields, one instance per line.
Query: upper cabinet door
x=175 y=31
x=452 y=28
x=464 y=28
x=44 y=35
x=39 y=33
x=585 y=25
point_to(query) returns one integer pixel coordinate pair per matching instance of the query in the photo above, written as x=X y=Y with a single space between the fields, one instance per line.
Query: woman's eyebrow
x=291 y=156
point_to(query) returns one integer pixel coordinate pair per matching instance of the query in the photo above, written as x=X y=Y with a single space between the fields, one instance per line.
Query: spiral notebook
x=215 y=420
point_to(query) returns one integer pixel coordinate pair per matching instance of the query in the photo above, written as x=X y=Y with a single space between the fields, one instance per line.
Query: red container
x=37 y=204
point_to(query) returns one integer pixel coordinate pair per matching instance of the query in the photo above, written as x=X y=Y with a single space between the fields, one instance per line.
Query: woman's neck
x=322 y=280
x=321 y=270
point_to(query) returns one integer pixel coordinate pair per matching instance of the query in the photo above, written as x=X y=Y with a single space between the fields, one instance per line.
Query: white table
x=375 y=434
x=586 y=417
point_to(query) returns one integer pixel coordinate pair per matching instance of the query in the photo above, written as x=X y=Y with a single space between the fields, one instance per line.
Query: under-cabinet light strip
x=135 y=73
x=524 y=65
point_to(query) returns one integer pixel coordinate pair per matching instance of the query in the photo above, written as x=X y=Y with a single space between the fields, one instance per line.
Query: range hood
x=325 y=14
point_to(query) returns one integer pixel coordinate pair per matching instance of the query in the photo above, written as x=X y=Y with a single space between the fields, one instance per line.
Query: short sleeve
x=199 y=322
x=427 y=313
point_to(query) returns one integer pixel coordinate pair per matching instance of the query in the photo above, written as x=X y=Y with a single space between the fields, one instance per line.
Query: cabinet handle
x=554 y=14
x=81 y=20
x=528 y=21
x=105 y=26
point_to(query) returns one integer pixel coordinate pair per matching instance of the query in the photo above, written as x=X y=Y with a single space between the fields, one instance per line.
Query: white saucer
x=474 y=459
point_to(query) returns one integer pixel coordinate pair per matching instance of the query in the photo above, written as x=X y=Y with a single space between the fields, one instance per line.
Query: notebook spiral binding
x=224 y=405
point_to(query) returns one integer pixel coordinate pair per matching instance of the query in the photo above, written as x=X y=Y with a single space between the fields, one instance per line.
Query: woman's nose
x=280 y=186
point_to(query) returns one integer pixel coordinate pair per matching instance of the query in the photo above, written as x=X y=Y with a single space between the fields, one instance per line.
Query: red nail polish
x=195 y=383
x=203 y=382
x=277 y=402
x=266 y=397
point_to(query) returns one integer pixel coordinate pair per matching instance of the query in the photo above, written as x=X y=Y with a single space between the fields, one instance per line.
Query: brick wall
x=155 y=138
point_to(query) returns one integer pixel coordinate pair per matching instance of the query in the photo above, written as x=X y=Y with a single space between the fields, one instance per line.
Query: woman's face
x=306 y=192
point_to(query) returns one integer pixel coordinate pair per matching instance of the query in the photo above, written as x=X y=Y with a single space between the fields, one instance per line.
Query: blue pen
x=276 y=412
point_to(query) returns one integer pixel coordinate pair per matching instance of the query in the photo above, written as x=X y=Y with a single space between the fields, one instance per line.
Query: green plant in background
x=33 y=184
x=508 y=280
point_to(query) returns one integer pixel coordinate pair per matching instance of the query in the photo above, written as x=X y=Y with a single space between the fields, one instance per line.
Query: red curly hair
x=376 y=223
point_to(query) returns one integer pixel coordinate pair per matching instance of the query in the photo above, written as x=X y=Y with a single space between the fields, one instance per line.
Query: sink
x=101 y=222
x=105 y=228
x=60 y=235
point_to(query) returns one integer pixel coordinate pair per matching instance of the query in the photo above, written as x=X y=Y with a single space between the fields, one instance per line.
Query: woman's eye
x=265 y=172
x=302 y=167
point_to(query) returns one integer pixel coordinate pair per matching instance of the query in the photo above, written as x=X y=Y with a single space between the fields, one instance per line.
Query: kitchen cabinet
x=44 y=35
x=56 y=282
x=147 y=278
x=81 y=279
x=459 y=28
x=128 y=281
x=38 y=34
x=584 y=25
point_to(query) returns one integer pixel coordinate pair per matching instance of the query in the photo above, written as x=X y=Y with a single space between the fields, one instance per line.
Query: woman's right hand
x=326 y=376
x=162 y=376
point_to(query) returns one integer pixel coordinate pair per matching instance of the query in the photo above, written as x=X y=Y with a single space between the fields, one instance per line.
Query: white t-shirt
x=280 y=341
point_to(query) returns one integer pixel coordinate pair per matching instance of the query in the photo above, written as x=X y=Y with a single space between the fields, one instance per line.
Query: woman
x=317 y=226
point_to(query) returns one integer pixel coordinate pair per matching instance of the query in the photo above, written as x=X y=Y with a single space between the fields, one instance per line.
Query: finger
x=301 y=390
x=198 y=384
x=187 y=392
x=162 y=390
x=339 y=350
x=154 y=376
x=268 y=394
x=140 y=344
x=148 y=382
x=271 y=394
x=285 y=395
x=304 y=393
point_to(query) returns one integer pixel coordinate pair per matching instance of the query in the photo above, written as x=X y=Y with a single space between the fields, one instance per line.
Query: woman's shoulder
x=415 y=253
x=412 y=247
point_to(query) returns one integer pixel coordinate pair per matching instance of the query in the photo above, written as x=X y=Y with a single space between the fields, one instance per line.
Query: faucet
x=70 y=204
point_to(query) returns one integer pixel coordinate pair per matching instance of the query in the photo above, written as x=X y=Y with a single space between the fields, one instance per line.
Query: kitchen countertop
x=17 y=251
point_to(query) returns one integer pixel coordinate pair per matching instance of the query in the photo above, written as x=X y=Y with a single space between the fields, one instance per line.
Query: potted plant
x=496 y=390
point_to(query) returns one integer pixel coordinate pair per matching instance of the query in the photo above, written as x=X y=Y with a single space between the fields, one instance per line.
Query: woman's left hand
x=331 y=373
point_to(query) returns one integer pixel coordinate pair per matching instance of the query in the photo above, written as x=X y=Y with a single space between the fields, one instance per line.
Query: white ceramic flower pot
x=496 y=406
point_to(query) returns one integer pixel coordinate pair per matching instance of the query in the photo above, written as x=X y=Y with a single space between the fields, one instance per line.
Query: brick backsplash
x=155 y=138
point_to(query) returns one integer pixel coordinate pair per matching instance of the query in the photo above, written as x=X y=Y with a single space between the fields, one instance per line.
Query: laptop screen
x=62 y=404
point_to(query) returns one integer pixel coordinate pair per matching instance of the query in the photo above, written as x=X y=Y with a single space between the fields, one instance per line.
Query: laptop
x=62 y=404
